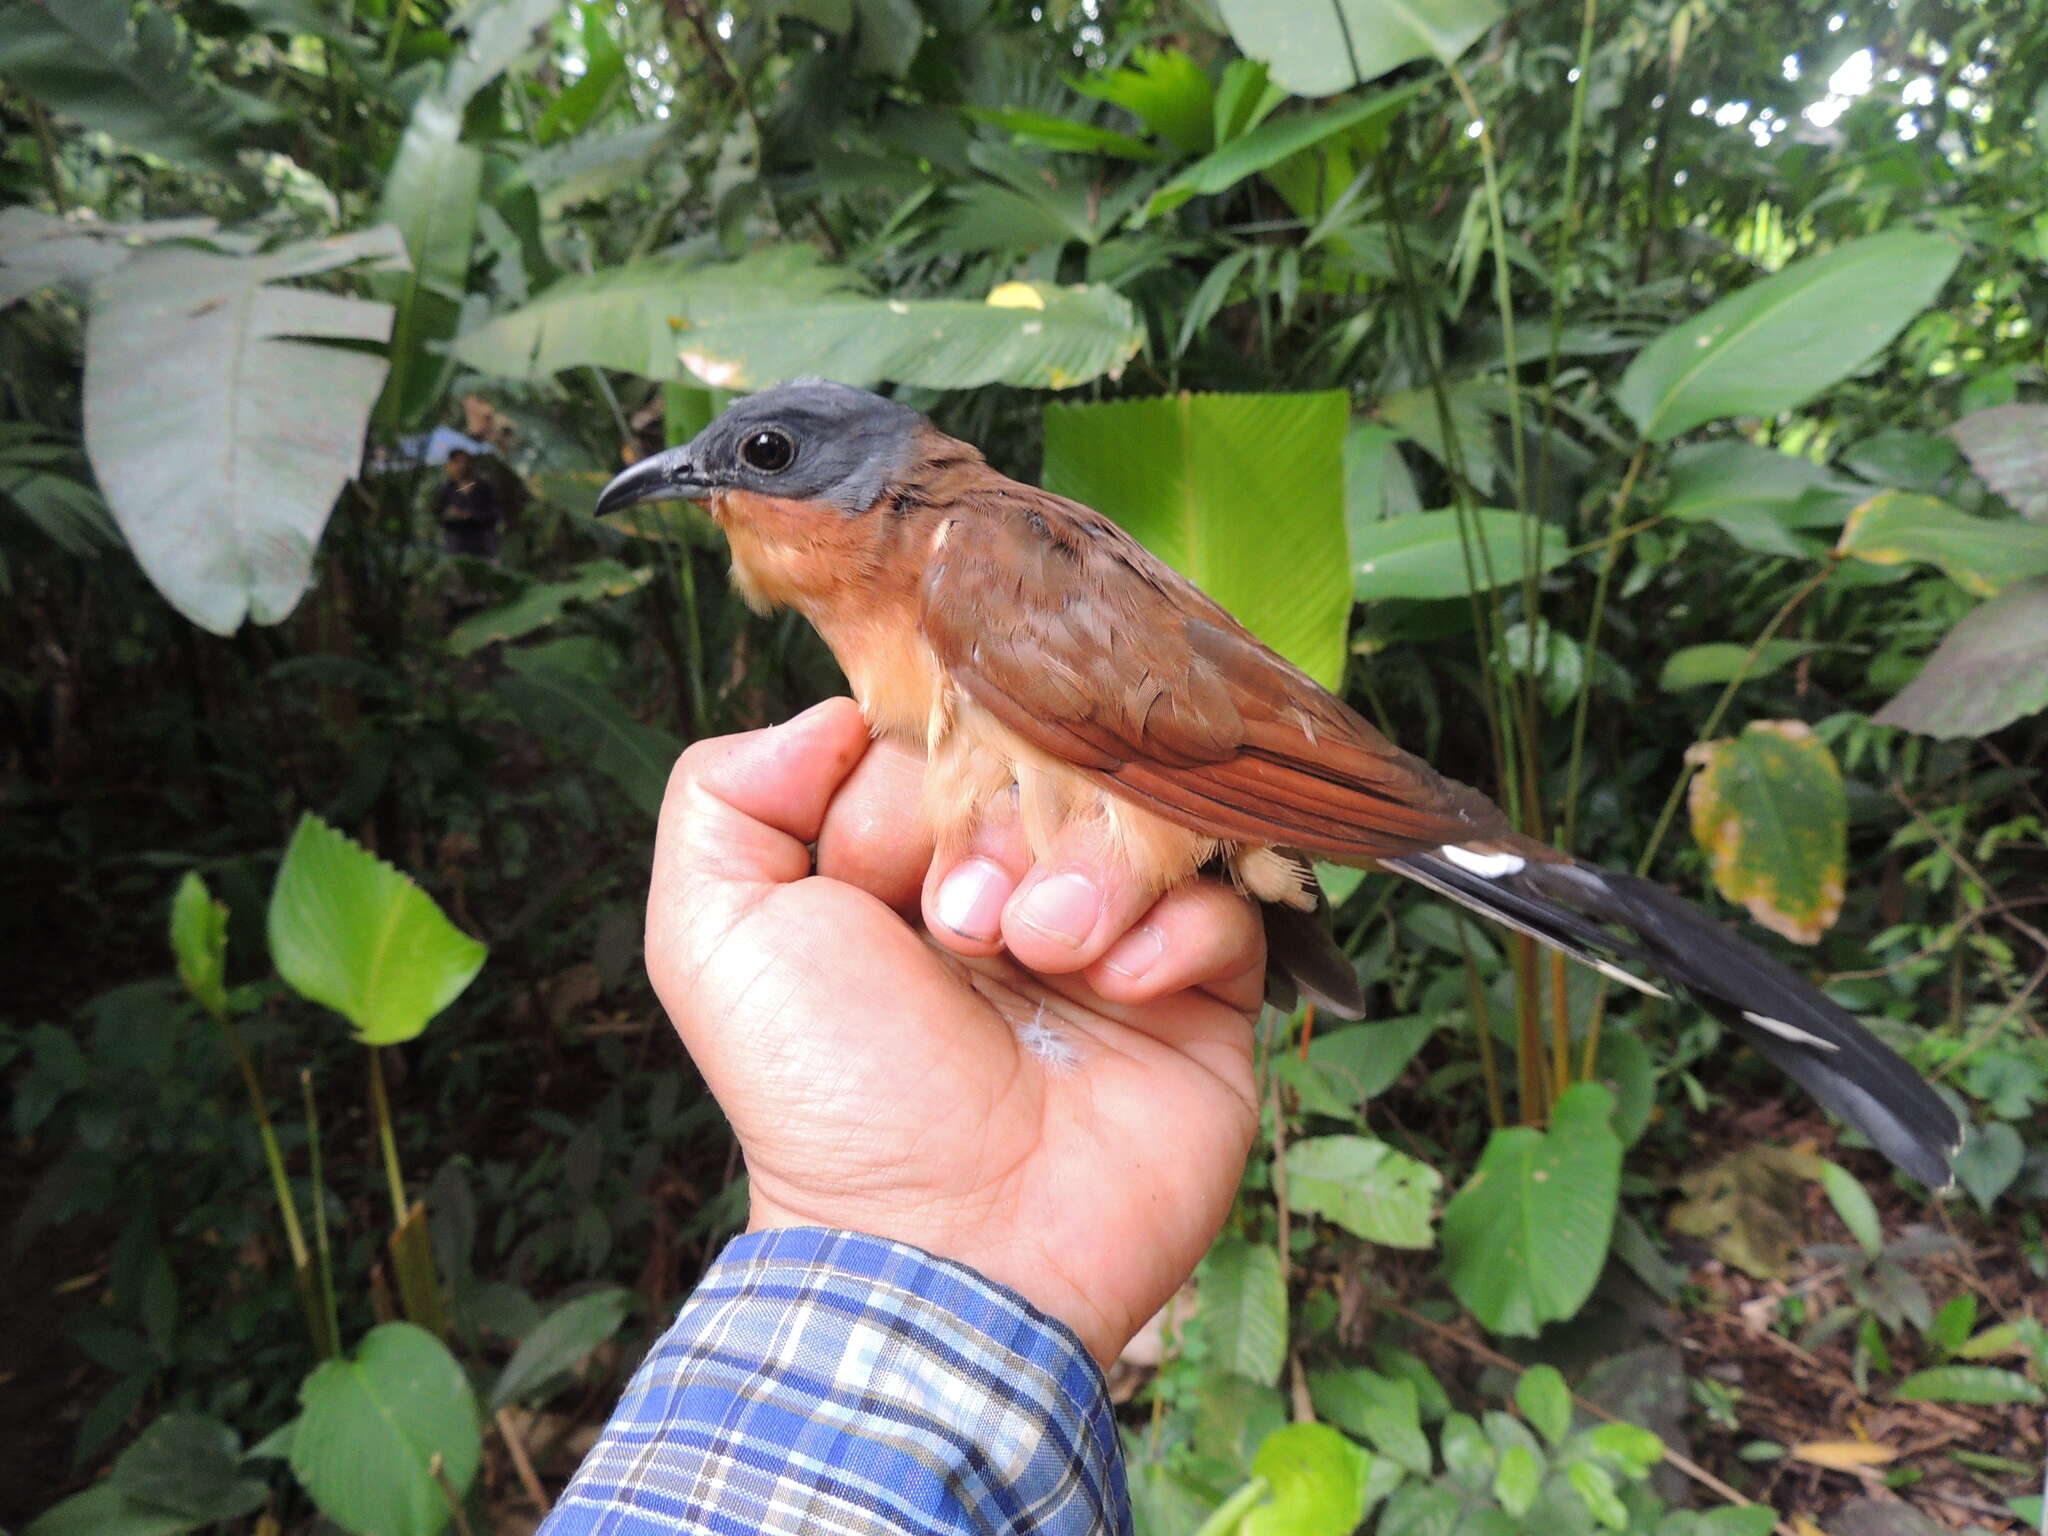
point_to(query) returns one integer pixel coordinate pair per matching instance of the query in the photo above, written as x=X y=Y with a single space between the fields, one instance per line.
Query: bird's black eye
x=768 y=451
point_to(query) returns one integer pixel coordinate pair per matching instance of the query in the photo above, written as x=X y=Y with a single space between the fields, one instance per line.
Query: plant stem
x=381 y=1106
x=330 y=1347
x=1229 y=1515
x=1583 y=704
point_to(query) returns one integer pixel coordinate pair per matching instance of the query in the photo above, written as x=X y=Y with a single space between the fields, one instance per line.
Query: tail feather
x=1785 y=1018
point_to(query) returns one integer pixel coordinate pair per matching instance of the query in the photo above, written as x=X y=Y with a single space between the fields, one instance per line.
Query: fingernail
x=1135 y=953
x=970 y=900
x=1062 y=907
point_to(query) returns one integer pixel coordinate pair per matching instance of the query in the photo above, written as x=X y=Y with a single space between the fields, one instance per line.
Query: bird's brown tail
x=1577 y=908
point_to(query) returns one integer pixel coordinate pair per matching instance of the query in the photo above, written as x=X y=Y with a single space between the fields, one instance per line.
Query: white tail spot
x=1487 y=866
x=1790 y=1032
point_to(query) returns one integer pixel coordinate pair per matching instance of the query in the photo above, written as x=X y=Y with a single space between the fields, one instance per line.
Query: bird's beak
x=668 y=476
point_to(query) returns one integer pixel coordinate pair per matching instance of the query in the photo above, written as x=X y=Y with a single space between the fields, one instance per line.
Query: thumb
x=740 y=809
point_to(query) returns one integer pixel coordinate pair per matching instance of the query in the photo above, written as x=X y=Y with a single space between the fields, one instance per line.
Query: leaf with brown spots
x=1769 y=809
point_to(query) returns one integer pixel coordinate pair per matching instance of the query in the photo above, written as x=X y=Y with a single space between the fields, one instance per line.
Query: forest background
x=1635 y=406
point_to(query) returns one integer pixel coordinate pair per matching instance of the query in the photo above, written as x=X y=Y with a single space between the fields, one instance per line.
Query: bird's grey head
x=810 y=440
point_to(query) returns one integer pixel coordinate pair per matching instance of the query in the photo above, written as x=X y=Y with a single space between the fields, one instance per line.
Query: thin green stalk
x=1713 y=722
x=1230 y=1514
x=330 y=1345
x=380 y=1106
x=1475 y=998
x=1582 y=705
x=259 y=1107
x=1567 y=228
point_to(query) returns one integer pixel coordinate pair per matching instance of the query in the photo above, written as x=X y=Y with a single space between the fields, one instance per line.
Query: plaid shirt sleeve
x=835 y=1384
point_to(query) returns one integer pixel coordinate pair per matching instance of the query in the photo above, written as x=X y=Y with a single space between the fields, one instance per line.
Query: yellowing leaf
x=1016 y=296
x=1844 y=1455
x=1978 y=554
x=1769 y=809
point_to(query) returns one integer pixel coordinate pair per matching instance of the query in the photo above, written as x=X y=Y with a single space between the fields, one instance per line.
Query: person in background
x=467 y=506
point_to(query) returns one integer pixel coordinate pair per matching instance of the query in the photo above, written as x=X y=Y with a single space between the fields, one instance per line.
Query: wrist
x=1000 y=1257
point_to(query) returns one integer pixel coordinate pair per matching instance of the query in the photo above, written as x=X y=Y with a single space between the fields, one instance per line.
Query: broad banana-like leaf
x=220 y=429
x=1319 y=47
x=1242 y=494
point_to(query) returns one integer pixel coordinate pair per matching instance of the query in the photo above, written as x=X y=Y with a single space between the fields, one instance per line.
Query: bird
x=1051 y=667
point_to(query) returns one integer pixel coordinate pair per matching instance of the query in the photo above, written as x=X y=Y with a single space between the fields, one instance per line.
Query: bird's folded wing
x=1073 y=635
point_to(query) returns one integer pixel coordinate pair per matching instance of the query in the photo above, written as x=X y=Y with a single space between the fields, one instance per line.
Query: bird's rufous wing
x=1068 y=631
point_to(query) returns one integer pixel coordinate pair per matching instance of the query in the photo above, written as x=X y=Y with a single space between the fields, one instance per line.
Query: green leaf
x=103 y=1510
x=219 y=428
x=1518 y=1479
x=1525 y=1238
x=1721 y=661
x=430 y=198
x=564 y=1337
x=1546 y=1402
x=1424 y=556
x=1757 y=496
x=1770 y=811
x=1629 y=1446
x=2007 y=447
x=555 y=700
x=1954 y=1323
x=1272 y=142
x=1362 y=1060
x=1067 y=136
x=349 y=931
x=544 y=602
x=780 y=313
x=1910 y=461
x=631 y=318
x=1318 y=1482
x=1989 y=671
x=1365 y=1187
x=1243 y=1316
x=1318 y=47
x=67 y=511
x=1967 y=1384
x=199 y=940
x=1242 y=494
x=190 y=1465
x=1782 y=340
x=1989 y=1161
x=39 y=250
x=591 y=166
x=1378 y=1409
x=1853 y=1204
x=1980 y=556
x=1594 y=1485
x=1164 y=89
x=126 y=75
x=372 y=1425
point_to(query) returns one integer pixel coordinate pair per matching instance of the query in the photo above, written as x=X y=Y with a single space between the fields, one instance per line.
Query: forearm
x=843 y=1385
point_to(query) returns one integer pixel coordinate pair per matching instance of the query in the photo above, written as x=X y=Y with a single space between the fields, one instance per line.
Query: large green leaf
x=1769 y=809
x=1526 y=1237
x=1317 y=1479
x=2007 y=446
x=1166 y=90
x=191 y=1464
x=566 y=702
x=1033 y=335
x=430 y=197
x=1760 y=498
x=1988 y=671
x=373 y=1426
x=1317 y=47
x=123 y=72
x=39 y=250
x=1273 y=141
x=219 y=428
x=1242 y=494
x=563 y=1338
x=1365 y=1187
x=545 y=601
x=631 y=318
x=1979 y=555
x=1428 y=555
x=1782 y=340
x=1382 y=1410
x=349 y=931
x=104 y=1510
x=1243 y=1315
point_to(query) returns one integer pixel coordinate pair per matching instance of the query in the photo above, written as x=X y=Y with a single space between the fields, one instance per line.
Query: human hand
x=1075 y=1131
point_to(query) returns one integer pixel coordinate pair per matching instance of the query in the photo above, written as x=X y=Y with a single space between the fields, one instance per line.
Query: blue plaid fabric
x=836 y=1384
